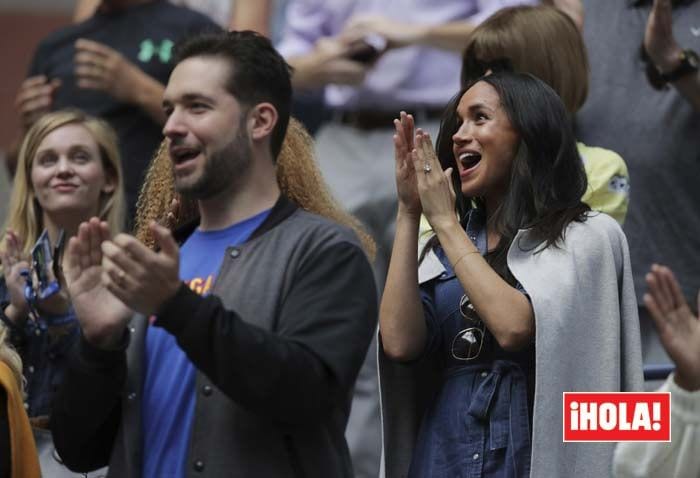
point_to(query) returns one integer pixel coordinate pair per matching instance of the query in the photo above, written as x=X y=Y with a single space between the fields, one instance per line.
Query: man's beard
x=223 y=169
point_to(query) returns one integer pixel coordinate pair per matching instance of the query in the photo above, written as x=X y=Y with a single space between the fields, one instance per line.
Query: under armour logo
x=695 y=31
x=148 y=49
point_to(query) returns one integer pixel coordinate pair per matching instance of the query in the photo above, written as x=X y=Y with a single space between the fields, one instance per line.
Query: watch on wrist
x=689 y=62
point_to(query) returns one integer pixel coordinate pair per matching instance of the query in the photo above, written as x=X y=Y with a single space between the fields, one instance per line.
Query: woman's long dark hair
x=547 y=177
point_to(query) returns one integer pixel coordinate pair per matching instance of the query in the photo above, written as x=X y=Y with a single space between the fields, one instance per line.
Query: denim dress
x=479 y=423
x=44 y=347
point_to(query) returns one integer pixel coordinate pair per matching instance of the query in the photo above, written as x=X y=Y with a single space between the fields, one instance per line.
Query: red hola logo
x=623 y=416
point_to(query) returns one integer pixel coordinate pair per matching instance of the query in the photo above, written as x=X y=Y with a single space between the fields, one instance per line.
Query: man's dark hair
x=258 y=72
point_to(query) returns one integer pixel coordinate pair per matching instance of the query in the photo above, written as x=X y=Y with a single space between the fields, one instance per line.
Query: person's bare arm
x=573 y=8
x=448 y=36
x=401 y=320
x=665 y=52
x=451 y=36
x=689 y=86
x=251 y=15
x=84 y=9
x=327 y=63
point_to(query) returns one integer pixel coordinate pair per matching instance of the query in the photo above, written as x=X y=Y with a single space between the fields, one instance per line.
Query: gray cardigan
x=277 y=347
x=587 y=340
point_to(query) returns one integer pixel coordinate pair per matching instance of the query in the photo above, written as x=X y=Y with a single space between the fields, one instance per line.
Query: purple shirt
x=403 y=77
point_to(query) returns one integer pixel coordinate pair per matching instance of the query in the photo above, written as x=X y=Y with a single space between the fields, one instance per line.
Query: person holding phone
x=68 y=171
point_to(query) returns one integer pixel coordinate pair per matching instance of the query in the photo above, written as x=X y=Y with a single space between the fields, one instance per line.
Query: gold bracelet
x=454 y=267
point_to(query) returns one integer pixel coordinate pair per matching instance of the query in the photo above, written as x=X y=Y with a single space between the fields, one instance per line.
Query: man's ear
x=262 y=120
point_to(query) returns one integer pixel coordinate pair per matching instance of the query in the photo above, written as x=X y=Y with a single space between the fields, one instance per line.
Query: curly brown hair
x=298 y=176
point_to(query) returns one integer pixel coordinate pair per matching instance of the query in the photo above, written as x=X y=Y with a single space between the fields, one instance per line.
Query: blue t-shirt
x=169 y=379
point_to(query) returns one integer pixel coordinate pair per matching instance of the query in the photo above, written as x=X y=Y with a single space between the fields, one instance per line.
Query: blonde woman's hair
x=24 y=216
x=10 y=357
x=298 y=176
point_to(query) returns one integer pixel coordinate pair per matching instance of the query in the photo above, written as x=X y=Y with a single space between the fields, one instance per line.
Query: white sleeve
x=678 y=459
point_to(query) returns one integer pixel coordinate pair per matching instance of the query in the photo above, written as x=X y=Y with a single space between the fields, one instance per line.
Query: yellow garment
x=608 y=185
x=608 y=181
x=25 y=461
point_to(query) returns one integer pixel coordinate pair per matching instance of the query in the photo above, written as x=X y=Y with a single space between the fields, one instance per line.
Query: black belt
x=376 y=119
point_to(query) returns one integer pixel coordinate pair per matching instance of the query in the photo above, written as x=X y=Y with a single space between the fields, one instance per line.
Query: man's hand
x=34 y=98
x=169 y=221
x=679 y=330
x=142 y=278
x=659 y=42
x=102 y=316
x=100 y=67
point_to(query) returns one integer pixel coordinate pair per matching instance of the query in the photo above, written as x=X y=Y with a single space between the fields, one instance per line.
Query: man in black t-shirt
x=114 y=66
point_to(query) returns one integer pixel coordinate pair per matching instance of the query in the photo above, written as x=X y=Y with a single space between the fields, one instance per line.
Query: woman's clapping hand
x=437 y=194
x=14 y=262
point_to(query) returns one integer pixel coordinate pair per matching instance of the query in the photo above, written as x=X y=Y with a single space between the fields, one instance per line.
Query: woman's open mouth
x=469 y=162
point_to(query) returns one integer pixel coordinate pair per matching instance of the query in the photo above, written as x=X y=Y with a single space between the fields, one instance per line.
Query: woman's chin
x=74 y=209
x=471 y=191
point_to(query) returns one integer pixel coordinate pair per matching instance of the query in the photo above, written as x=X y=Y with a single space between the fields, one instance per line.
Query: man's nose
x=174 y=126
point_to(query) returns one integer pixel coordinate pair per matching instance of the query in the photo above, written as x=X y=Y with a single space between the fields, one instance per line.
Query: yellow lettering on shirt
x=201 y=286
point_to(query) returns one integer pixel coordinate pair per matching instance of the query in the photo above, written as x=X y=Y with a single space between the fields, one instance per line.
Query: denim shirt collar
x=476 y=229
x=433 y=266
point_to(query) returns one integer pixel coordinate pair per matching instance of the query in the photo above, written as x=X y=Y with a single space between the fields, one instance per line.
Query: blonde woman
x=68 y=171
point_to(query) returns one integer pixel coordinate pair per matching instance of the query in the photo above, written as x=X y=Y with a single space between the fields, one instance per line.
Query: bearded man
x=249 y=335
